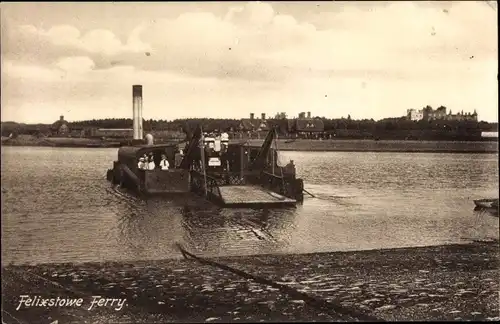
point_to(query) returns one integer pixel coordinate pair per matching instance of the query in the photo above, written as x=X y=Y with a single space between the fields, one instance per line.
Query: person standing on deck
x=217 y=143
x=179 y=156
x=224 y=139
x=210 y=139
x=164 y=165
x=151 y=163
x=141 y=165
x=209 y=147
x=290 y=168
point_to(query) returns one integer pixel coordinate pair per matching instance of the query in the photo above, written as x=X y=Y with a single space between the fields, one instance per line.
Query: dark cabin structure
x=306 y=127
x=247 y=176
x=126 y=171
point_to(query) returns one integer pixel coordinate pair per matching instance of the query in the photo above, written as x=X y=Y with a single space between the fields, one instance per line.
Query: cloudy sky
x=369 y=60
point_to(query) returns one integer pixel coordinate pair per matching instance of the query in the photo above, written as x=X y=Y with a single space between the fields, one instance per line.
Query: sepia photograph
x=284 y=161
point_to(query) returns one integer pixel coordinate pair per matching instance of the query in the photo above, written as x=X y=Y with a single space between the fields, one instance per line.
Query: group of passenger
x=147 y=162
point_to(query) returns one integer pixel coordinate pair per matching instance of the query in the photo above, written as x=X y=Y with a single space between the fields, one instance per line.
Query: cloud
x=78 y=64
x=255 y=42
x=402 y=38
x=96 y=41
x=27 y=72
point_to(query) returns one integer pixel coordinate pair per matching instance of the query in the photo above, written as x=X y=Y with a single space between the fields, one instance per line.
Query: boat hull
x=167 y=181
x=486 y=203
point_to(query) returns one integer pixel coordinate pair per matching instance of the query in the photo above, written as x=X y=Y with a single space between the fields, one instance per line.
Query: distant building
x=428 y=113
x=306 y=126
x=415 y=115
x=79 y=131
x=303 y=126
x=254 y=124
x=60 y=127
x=489 y=134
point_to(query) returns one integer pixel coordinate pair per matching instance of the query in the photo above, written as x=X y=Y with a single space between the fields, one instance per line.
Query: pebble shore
x=450 y=282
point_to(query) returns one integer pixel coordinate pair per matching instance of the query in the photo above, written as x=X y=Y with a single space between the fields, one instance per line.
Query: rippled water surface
x=58 y=207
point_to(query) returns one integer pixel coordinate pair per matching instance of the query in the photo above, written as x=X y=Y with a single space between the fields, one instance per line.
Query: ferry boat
x=230 y=174
x=236 y=175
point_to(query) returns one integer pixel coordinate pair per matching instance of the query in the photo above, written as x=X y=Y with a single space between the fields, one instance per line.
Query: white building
x=415 y=115
x=440 y=113
x=489 y=134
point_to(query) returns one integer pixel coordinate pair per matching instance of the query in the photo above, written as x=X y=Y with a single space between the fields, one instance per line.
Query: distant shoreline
x=385 y=146
x=301 y=145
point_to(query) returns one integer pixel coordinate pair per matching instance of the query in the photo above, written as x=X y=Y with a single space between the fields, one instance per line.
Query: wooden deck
x=252 y=195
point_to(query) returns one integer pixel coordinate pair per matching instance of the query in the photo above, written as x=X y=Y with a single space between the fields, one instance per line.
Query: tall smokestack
x=251 y=115
x=308 y=114
x=137 y=110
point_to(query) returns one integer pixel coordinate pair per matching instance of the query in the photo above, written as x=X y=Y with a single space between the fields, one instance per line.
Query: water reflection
x=149 y=228
x=481 y=211
x=484 y=221
x=237 y=231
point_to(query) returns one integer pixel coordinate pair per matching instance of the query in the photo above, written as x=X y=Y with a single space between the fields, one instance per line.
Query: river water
x=58 y=207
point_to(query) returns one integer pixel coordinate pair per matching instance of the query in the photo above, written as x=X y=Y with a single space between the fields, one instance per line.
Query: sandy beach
x=450 y=282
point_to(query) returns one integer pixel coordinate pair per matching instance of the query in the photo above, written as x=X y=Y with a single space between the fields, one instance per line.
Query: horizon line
x=193 y=118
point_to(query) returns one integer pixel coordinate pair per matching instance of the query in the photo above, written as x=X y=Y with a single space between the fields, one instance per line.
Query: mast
x=273 y=152
x=260 y=160
x=190 y=153
x=202 y=148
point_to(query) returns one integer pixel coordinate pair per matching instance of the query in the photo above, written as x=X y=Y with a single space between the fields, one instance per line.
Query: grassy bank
x=292 y=145
x=384 y=146
x=453 y=282
x=28 y=140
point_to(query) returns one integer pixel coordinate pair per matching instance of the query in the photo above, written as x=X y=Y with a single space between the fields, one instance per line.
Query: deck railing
x=284 y=184
x=274 y=183
x=210 y=187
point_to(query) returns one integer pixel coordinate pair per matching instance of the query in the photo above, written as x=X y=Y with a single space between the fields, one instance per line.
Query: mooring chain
x=320 y=304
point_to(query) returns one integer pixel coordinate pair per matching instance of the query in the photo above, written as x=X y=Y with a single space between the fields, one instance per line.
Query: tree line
x=210 y=124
